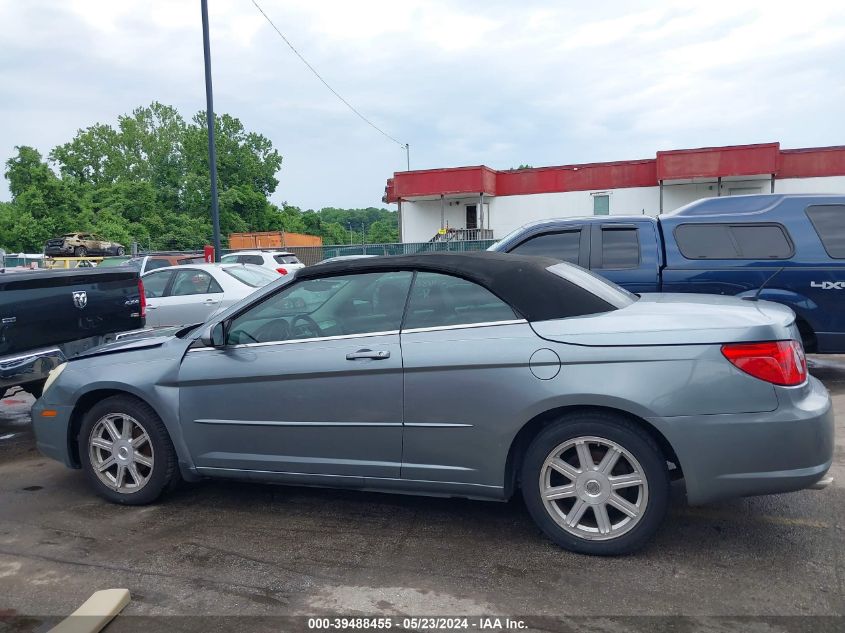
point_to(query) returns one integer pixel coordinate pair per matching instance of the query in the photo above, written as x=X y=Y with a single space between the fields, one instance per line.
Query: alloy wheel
x=121 y=453
x=593 y=488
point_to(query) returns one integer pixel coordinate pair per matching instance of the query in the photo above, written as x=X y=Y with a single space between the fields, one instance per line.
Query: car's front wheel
x=126 y=452
x=596 y=483
x=120 y=250
x=80 y=251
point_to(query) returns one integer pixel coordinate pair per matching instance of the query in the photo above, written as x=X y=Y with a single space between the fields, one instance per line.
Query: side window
x=251 y=259
x=332 y=306
x=441 y=300
x=564 y=245
x=152 y=264
x=620 y=248
x=733 y=241
x=829 y=223
x=156 y=283
x=191 y=281
x=761 y=241
x=705 y=241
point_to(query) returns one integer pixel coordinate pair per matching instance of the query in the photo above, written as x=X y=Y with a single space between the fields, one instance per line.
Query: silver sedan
x=473 y=375
x=182 y=295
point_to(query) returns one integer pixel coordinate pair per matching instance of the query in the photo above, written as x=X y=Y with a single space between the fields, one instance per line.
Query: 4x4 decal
x=828 y=285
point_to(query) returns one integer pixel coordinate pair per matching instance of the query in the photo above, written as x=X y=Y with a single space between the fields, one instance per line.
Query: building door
x=472 y=216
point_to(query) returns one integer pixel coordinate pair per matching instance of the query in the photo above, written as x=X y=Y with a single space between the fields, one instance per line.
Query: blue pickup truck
x=791 y=245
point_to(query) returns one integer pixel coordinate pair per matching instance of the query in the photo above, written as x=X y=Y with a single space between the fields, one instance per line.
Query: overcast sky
x=464 y=82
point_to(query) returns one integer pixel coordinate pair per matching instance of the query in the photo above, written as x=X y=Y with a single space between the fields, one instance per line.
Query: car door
x=467 y=377
x=155 y=288
x=308 y=384
x=192 y=297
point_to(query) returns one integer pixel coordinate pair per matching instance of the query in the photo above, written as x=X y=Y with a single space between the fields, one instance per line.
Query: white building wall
x=828 y=184
x=421 y=219
x=510 y=212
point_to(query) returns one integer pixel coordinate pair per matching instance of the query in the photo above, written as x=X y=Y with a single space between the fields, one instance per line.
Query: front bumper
x=51 y=433
x=29 y=367
x=745 y=454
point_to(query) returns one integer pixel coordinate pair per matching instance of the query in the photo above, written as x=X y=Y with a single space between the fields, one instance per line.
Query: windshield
x=615 y=295
x=252 y=275
x=229 y=259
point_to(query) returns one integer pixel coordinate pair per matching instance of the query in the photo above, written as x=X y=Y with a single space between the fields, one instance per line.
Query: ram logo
x=828 y=285
x=80 y=299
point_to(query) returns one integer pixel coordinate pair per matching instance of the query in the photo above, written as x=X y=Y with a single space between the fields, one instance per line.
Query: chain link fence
x=309 y=255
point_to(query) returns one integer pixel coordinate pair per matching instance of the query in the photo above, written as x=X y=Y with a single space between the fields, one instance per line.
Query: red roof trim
x=703 y=162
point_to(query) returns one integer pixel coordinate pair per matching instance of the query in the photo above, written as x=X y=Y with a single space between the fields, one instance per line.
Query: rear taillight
x=777 y=362
x=143 y=298
x=282 y=271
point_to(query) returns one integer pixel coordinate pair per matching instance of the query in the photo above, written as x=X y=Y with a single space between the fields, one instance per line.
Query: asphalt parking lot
x=228 y=548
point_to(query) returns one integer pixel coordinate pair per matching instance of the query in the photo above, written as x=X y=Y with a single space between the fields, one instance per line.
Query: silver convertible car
x=468 y=375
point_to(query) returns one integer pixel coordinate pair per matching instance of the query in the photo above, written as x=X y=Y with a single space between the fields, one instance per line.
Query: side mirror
x=214 y=335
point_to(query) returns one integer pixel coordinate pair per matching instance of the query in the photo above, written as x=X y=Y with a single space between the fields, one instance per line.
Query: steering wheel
x=309 y=326
x=275 y=330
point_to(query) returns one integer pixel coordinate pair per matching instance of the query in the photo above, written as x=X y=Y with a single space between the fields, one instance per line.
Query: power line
x=325 y=83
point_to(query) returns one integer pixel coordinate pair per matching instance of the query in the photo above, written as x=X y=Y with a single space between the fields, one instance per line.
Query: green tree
x=146 y=179
x=383 y=231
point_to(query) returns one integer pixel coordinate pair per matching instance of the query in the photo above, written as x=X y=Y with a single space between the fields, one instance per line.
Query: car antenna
x=756 y=296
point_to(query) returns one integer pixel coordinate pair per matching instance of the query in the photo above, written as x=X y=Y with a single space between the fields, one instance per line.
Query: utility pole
x=408 y=156
x=209 y=116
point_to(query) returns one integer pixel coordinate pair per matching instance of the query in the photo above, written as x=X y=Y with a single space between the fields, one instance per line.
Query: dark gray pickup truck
x=49 y=316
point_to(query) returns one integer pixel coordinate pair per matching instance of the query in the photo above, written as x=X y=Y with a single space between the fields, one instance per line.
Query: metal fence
x=309 y=255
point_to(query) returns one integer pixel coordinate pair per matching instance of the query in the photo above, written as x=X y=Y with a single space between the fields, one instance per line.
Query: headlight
x=51 y=377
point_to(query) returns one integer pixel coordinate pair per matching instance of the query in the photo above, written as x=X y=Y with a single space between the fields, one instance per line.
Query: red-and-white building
x=483 y=203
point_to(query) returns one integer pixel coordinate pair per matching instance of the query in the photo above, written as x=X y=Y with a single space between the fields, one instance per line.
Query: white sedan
x=283 y=262
x=187 y=294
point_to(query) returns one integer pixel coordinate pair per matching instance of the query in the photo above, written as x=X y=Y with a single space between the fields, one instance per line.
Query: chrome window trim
x=339 y=337
x=463 y=326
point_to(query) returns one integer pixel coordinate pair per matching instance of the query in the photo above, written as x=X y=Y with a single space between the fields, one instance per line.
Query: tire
x=120 y=251
x=80 y=251
x=637 y=457
x=148 y=482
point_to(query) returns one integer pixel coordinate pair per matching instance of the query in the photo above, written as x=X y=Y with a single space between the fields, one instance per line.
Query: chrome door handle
x=149 y=307
x=212 y=301
x=368 y=353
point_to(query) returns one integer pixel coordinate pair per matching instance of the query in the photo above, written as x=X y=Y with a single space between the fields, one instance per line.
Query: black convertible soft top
x=524 y=282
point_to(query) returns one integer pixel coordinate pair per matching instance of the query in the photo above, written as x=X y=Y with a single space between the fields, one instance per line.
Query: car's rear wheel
x=80 y=251
x=126 y=452
x=596 y=483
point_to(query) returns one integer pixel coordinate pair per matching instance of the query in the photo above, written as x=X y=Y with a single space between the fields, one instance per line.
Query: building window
x=601 y=204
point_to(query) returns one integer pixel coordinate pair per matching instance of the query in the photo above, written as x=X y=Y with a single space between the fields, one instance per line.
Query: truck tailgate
x=41 y=308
